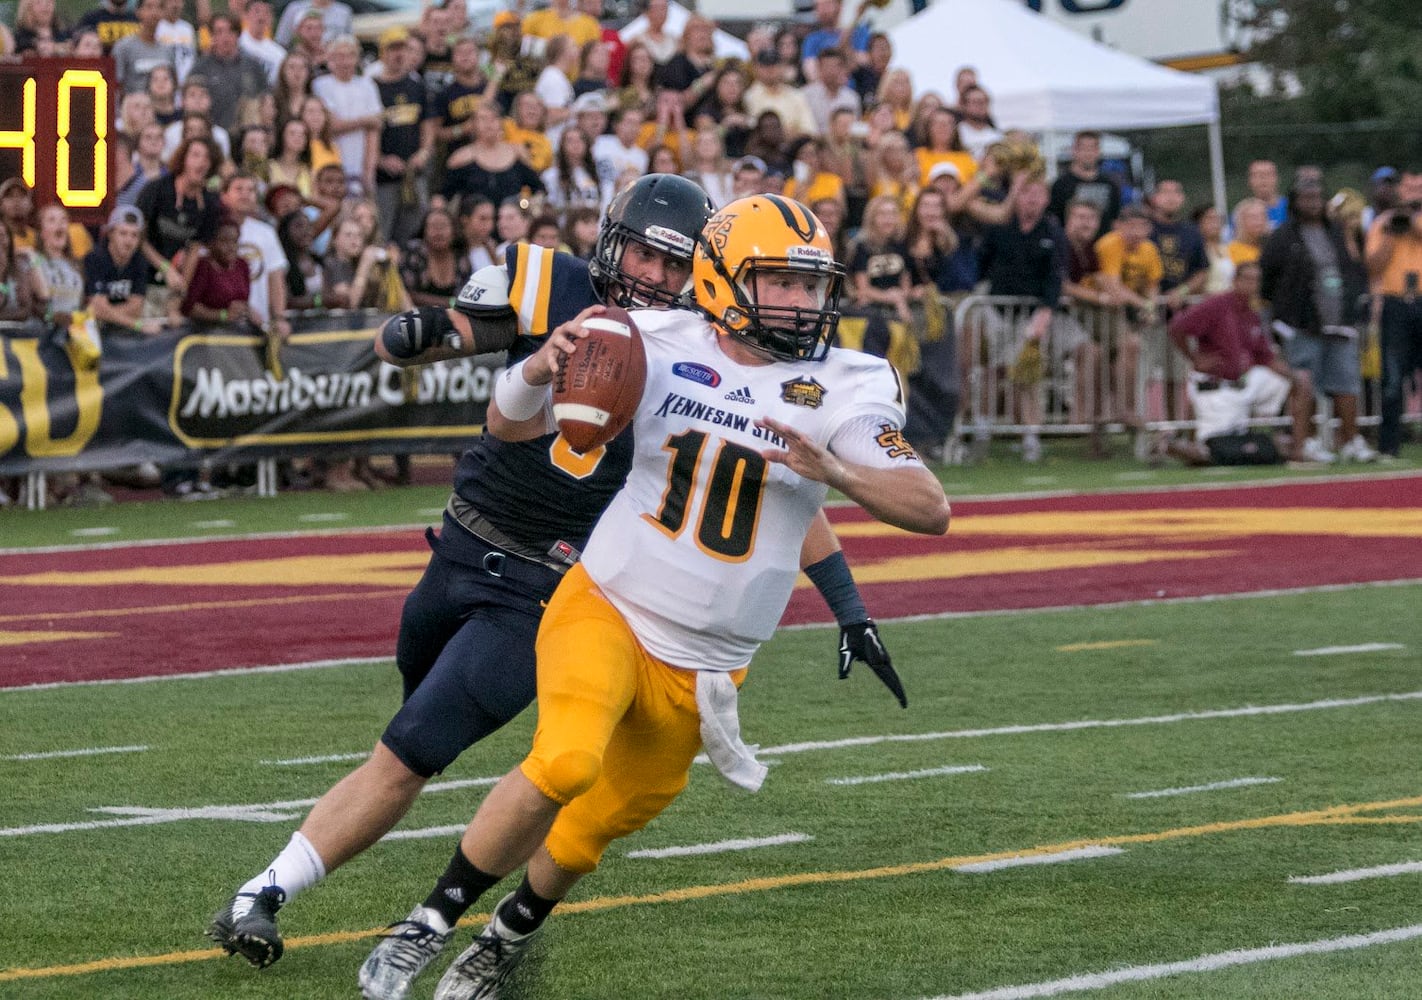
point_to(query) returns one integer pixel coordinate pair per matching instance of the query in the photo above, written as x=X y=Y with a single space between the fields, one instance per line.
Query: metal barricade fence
x=1096 y=368
x=1099 y=368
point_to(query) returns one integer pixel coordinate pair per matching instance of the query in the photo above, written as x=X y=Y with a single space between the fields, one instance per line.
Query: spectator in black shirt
x=436 y=265
x=594 y=58
x=112 y=20
x=1182 y=248
x=116 y=276
x=697 y=56
x=489 y=165
x=1026 y=257
x=179 y=208
x=453 y=107
x=878 y=265
x=39 y=29
x=866 y=77
x=724 y=106
x=1083 y=181
x=405 y=148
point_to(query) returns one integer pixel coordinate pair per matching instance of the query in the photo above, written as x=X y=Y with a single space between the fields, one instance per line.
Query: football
x=597 y=390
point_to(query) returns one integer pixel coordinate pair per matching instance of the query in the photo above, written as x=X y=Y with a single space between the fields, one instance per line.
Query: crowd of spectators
x=355 y=182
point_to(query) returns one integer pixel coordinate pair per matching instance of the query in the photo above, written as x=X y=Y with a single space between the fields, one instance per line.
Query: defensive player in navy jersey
x=517 y=519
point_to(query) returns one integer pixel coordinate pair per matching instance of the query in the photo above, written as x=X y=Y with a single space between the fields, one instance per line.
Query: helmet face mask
x=662 y=212
x=765 y=274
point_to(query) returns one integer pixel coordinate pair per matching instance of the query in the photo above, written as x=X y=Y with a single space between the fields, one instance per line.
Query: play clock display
x=56 y=116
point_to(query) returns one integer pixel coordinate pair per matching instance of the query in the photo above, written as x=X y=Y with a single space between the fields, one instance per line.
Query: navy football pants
x=465 y=653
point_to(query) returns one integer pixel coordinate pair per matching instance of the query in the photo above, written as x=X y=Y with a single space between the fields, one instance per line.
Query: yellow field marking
x=1190 y=523
x=1082 y=647
x=25 y=638
x=1012 y=559
x=370 y=569
x=1331 y=816
x=163 y=609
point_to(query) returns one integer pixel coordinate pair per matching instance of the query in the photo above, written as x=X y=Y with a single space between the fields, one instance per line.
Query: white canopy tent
x=1046 y=78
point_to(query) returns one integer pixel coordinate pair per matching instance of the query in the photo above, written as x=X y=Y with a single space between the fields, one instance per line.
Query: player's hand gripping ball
x=596 y=391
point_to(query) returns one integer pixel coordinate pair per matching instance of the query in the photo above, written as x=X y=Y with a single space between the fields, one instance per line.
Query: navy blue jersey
x=541 y=492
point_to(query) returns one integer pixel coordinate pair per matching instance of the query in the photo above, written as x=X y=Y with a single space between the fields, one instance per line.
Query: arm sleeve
x=874 y=440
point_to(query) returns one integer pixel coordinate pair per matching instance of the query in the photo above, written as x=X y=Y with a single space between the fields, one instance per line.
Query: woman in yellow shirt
x=1251 y=228
x=318 y=123
x=892 y=171
x=809 y=182
x=942 y=145
x=896 y=93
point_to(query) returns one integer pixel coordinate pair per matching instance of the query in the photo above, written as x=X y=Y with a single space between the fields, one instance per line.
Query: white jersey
x=700 y=549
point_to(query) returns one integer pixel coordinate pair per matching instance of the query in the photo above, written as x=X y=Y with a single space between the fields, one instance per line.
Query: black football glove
x=861 y=642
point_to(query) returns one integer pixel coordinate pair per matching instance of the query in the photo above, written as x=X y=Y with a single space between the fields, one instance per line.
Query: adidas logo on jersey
x=741 y=395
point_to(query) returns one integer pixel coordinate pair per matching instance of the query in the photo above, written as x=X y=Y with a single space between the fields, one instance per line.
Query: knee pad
x=565 y=776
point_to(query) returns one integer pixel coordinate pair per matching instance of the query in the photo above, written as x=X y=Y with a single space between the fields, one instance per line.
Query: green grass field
x=868 y=908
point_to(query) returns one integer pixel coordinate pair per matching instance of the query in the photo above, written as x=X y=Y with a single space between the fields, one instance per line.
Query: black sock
x=526 y=911
x=459 y=887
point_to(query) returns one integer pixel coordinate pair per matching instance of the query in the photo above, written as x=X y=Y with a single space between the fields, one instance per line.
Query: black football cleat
x=254 y=934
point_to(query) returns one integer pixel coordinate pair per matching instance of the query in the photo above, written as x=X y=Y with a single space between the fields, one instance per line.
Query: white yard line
x=255 y=812
x=93 y=532
x=1358 y=874
x=1063 y=727
x=86 y=752
x=932 y=772
x=1057 y=857
x=1366 y=647
x=322 y=517
x=721 y=846
x=329 y=758
x=1213 y=786
x=1205 y=963
x=426 y=833
x=207 y=525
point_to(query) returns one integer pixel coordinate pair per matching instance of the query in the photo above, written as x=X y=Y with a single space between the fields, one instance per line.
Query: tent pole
x=1217 y=169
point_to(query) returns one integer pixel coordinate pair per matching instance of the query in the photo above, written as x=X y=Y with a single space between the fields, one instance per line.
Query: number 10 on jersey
x=729 y=509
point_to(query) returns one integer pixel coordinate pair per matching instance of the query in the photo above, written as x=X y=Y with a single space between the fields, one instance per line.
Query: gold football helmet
x=756 y=239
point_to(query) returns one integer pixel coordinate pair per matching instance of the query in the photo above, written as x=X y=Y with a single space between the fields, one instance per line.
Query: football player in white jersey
x=646 y=641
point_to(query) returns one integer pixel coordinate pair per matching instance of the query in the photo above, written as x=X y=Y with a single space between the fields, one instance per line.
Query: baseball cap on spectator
x=591 y=101
x=945 y=170
x=124 y=215
x=767 y=57
x=506 y=17
x=1382 y=174
x=748 y=163
x=393 y=36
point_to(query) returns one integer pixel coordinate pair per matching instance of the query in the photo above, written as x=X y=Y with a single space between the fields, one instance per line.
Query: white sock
x=297 y=867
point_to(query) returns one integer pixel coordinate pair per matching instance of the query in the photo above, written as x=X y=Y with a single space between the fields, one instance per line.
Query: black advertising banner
x=178 y=398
